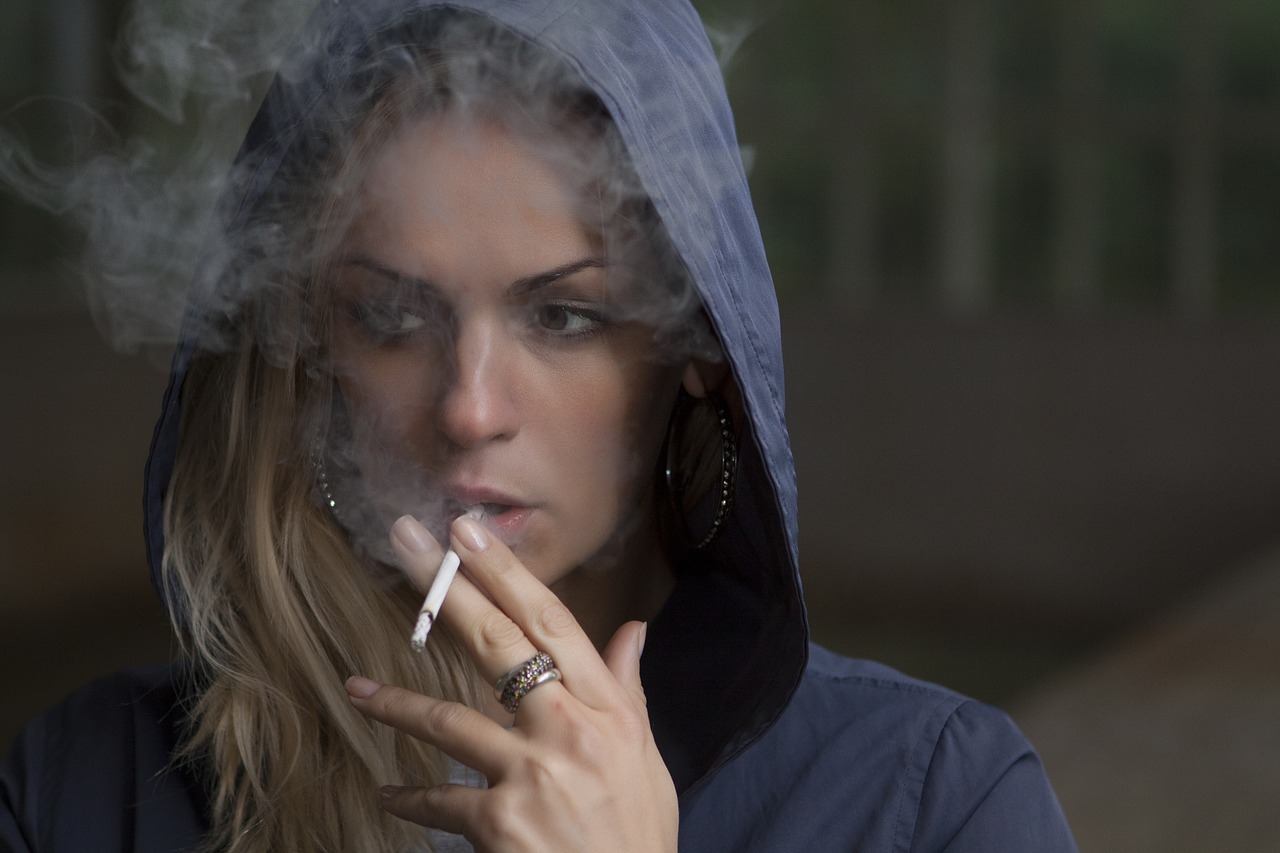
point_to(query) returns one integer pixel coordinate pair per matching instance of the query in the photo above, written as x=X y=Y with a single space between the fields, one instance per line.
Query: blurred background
x=1027 y=255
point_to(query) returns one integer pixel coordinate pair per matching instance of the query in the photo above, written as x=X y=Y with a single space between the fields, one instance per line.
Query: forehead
x=451 y=160
x=460 y=191
x=458 y=173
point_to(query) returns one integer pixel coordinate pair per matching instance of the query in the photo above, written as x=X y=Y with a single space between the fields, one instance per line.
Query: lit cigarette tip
x=420 y=631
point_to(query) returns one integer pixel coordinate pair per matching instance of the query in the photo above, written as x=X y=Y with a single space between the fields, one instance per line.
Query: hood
x=728 y=649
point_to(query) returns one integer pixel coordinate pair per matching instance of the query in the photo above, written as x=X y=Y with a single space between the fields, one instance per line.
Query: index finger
x=539 y=613
x=495 y=642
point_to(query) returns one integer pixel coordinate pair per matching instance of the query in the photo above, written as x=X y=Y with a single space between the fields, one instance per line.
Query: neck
x=626 y=582
x=602 y=600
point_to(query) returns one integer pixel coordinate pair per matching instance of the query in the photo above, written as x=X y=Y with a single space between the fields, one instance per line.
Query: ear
x=702 y=377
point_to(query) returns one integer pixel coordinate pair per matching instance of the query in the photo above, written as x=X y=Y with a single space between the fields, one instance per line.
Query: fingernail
x=471 y=533
x=412 y=535
x=389 y=791
x=644 y=635
x=361 y=687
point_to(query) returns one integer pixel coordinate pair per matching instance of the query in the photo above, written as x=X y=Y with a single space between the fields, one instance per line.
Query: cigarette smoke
x=475 y=73
x=145 y=204
x=728 y=30
x=165 y=225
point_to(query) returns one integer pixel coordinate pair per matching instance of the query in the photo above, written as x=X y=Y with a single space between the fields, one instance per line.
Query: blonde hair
x=276 y=611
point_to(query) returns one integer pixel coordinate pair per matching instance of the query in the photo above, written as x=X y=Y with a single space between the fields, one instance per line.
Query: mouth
x=488 y=509
x=491 y=509
x=503 y=513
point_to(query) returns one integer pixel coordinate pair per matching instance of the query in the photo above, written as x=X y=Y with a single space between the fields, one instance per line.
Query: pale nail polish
x=410 y=534
x=471 y=533
x=361 y=687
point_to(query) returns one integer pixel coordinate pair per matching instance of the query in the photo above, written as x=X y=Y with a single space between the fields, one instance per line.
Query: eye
x=409 y=322
x=386 y=320
x=568 y=320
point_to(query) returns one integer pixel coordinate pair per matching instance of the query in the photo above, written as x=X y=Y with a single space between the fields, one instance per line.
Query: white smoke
x=144 y=196
x=728 y=29
x=144 y=200
x=147 y=202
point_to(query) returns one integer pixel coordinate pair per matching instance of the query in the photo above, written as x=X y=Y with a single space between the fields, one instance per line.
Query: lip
x=509 y=523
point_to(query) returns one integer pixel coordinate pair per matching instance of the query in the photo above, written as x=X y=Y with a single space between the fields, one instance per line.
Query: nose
x=478 y=404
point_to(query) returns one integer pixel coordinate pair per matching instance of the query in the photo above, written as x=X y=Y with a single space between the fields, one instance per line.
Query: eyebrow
x=528 y=284
x=368 y=263
x=519 y=287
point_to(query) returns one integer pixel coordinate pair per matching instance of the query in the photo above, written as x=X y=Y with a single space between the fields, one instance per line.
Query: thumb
x=622 y=656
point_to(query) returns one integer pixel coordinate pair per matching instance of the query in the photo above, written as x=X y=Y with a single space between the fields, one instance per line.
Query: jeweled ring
x=516 y=684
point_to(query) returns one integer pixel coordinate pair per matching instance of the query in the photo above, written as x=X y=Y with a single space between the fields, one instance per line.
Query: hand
x=579 y=770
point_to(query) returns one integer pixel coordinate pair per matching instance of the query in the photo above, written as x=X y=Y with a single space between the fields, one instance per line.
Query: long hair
x=278 y=611
x=273 y=604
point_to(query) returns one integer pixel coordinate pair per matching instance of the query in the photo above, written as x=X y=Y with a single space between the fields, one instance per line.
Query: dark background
x=1027 y=258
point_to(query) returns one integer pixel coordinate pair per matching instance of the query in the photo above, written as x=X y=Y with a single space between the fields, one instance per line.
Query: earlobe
x=692 y=381
x=704 y=377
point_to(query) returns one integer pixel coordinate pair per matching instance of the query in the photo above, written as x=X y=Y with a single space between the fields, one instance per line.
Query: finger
x=417 y=550
x=536 y=610
x=465 y=734
x=622 y=656
x=494 y=641
x=453 y=808
x=496 y=644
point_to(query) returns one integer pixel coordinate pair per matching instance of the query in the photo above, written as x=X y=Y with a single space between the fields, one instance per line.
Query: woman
x=497 y=263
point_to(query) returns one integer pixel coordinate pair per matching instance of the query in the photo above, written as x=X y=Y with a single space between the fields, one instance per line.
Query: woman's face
x=481 y=347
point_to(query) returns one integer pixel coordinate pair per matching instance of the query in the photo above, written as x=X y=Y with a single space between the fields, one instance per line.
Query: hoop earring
x=728 y=470
x=321 y=471
x=337 y=491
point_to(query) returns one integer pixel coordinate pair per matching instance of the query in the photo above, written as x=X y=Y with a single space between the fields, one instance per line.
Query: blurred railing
x=981 y=156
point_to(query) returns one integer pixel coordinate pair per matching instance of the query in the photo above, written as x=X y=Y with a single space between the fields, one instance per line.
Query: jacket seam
x=905 y=833
x=985 y=796
x=890 y=684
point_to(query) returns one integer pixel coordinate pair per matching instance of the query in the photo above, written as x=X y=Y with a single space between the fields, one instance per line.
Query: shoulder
x=865 y=757
x=94 y=772
x=125 y=693
x=101 y=722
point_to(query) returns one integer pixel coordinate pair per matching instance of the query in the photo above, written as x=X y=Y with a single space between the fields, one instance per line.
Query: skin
x=479 y=337
x=455 y=353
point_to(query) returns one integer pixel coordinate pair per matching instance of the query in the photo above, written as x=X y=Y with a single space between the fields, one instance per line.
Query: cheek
x=651 y=396
x=618 y=430
x=388 y=401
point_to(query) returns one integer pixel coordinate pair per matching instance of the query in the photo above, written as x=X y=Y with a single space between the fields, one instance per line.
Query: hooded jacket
x=773 y=744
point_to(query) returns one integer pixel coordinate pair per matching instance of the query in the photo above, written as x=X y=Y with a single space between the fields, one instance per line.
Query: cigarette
x=439 y=588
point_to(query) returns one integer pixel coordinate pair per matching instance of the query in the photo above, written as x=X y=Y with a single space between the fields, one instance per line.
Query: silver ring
x=516 y=684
